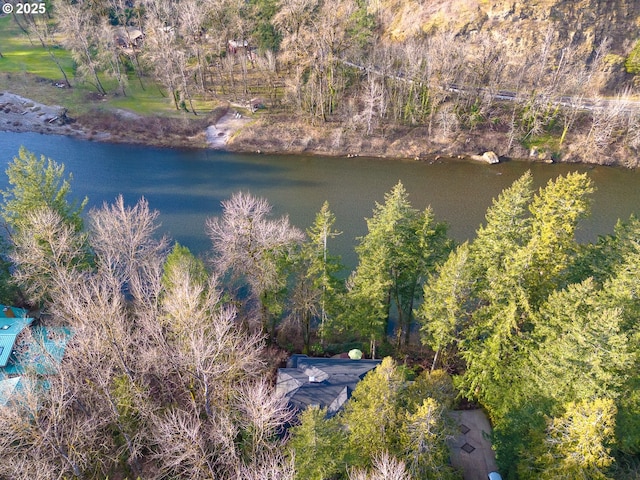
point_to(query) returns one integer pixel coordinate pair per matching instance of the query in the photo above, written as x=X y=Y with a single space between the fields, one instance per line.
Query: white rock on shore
x=487 y=157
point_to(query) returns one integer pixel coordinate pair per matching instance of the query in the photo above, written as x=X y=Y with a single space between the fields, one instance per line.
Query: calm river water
x=187 y=186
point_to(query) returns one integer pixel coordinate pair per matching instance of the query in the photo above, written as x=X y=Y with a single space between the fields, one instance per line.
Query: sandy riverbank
x=219 y=135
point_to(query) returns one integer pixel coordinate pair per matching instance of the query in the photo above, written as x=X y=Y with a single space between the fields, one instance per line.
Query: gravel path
x=218 y=135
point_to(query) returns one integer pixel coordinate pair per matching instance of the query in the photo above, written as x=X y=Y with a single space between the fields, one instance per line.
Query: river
x=187 y=186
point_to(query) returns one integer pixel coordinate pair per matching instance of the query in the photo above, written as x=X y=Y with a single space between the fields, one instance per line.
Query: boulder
x=486 y=157
x=490 y=157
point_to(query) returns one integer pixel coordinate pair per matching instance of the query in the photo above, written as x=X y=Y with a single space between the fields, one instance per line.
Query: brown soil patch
x=285 y=133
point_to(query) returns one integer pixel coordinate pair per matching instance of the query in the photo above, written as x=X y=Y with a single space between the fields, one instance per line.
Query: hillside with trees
x=550 y=80
x=169 y=372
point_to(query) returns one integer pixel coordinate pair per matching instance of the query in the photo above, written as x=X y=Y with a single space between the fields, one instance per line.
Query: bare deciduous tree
x=264 y=414
x=110 y=56
x=46 y=434
x=255 y=248
x=184 y=449
x=270 y=467
x=123 y=241
x=608 y=119
x=385 y=467
x=78 y=24
x=229 y=420
x=172 y=379
x=45 y=246
x=374 y=104
x=161 y=49
x=39 y=26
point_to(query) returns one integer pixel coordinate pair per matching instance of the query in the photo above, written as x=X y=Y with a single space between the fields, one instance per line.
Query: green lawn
x=27 y=69
x=20 y=55
x=150 y=101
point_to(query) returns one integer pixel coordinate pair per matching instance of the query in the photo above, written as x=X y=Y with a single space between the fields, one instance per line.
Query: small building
x=28 y=353
x=236 y=47
x=12 y=323
x=325 y=382
x=128 y=37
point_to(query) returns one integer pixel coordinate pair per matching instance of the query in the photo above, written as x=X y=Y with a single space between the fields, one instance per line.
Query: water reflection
x=187 y=186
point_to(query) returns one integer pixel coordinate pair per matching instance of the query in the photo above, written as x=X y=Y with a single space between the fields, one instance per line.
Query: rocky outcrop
x=490 y=157
x=19 y=114
x=521 y=24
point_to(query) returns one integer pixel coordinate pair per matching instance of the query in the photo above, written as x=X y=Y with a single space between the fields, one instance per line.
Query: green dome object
x=355 y=354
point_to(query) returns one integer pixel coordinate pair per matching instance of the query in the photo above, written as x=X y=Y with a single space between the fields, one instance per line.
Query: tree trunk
x=407 y=333
x=409 y=311
x=387 y=319
x=435 y=360
x=98 y=83
x=306 y=332
x=55 y=60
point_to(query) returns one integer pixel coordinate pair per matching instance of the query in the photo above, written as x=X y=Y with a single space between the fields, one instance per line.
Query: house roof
x=11 y=312
x=7 y=388
x=16 y=390
x=128 y=33
x=43 y=354
x=10 y=328
x=326 y=382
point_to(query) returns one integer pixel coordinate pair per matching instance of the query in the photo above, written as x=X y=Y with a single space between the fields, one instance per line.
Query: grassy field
x=27 y=69
x=24 y=55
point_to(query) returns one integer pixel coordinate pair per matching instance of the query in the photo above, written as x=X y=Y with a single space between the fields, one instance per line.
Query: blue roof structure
x=10 y=328
x=14 y=389
x=8 y=387
x=42 y=354
x=326 y=382
x=34 y=351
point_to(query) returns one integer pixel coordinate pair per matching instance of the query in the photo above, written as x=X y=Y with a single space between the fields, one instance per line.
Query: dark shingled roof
x=326 y=382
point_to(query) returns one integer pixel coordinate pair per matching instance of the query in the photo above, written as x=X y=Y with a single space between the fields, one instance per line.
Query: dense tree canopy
x=385 y=416
x=167 y=372
x=535 y=324
x=401 y=247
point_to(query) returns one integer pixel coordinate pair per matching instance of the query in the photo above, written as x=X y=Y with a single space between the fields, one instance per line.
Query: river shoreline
x=233 y=130
x=19 y=114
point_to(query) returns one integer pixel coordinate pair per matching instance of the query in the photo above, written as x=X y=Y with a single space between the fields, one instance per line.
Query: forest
x=550 y=81
x=170 y=369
